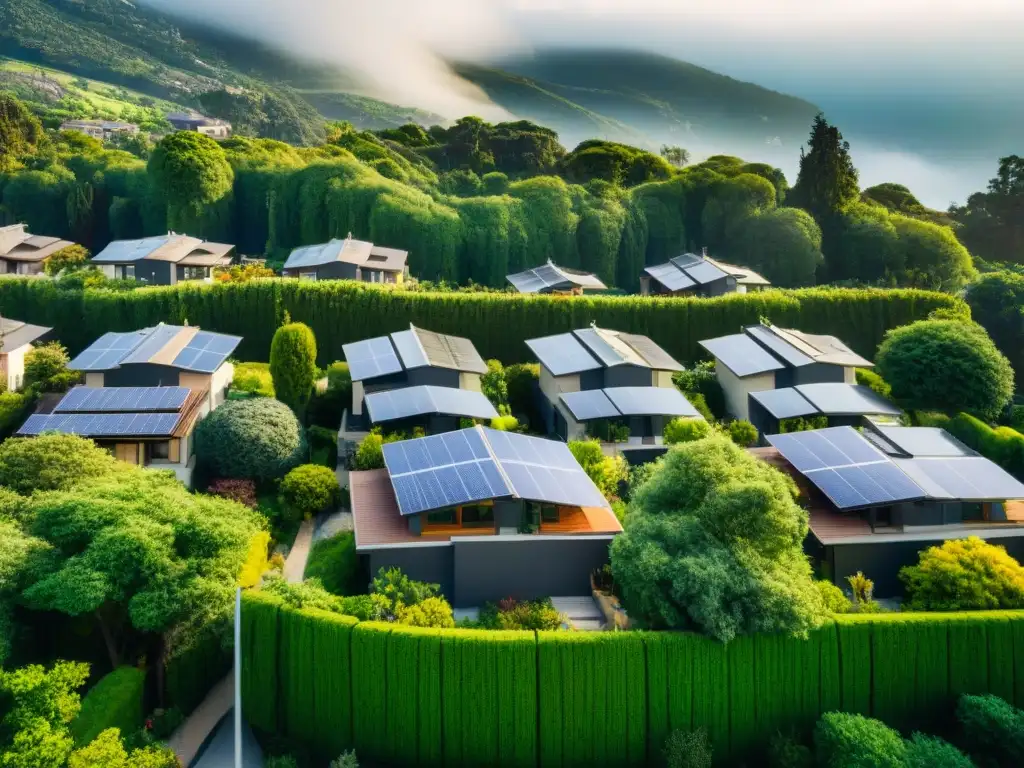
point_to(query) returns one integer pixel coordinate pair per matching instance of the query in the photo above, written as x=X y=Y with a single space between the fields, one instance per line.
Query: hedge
x=430 y=697
x=193 y=671
x=498 y=323
x=114 y=702
x=1003 y=445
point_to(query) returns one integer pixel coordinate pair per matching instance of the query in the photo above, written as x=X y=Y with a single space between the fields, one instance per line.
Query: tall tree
x=293 y=365
x=20 y=131
x=192 y=175
x=827 y=182
x=993 y=221
x=676 y=156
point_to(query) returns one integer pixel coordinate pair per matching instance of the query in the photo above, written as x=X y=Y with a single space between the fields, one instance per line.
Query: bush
x=293 y=365
x=14 y=410
x=12 y=505
x=853 y=741
x=323 y=445
x=833 y=598
x=521 y=383
x=430 y=612
x=334 y=563
x=46 y=368
x=114 y=702
x=607 y=472
x=1003 y=445
x=686 y=430
x=964 y=575
x=521 y=614
x=309 y=490
x=688 y=749
x=702 y=380
x=370 y=453
x=930 y=752
x=259 y=439
x=874 y=382
x=786 y=752
x=393 y=593
x=493 y=384
x=991 y=729
x=242 y=491
x=253 y=378
x=69 y=258
x=505 y=423
x=800 y=424
x=743 y=433
x=52 y=462
x=325 y=408
x=346 y=759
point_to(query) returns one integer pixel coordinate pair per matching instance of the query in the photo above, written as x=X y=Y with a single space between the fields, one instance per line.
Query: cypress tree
x=827 y=182
x=293 y=365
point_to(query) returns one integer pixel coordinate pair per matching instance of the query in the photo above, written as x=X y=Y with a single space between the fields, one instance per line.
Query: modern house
x=22 y=253
x=593 y=376
x=164 y=259
x=147 y=426
x=692 y=275
x=485 y=514
x=768 y=357
x=348 y=259
x=878 y=498
x=408 y=375
x=208 y=126
x=839 y=404
x=162 y=356
x=16 y=339
x=550 y=278
x=103 y=130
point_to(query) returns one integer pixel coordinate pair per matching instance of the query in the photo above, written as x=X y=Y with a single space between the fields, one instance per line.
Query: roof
x=409 y=402
x=915 y=442
x=588 y=349
x=550 y=277
x=15 y=334
x=183 y=347
x=743 y=275
x=617 y=402
x=686 y=271
x=829 y=399
x=18 y=245
x=408 y=350
x=349 y=251
x=178 y=249
x=765 y=347
x=742 y=355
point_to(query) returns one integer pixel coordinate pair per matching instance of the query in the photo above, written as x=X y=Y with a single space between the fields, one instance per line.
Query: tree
x=676 y=156
x=259 y=439
x=293 y=365
x=493 y=385
x=107 y=751
x=932 y=257
x=613 y=162
x=607 y=472
x=992 y=222
x=20 y=131
x=865 y=248
x=191 y=173
x=843 y=740
x=784 y=245
x=997 y=304
x=66 y=259
x=46 y=367
x=732 y=200
x=42 y=703
x=52 y=462
x=964 y=575
x=827 y=181
x=713 y=543
x=924 y=751
x=945 y=365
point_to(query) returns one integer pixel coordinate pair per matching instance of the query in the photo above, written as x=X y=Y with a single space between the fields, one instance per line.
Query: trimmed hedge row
x=114 y=702
x=413 y=696
x=340 y=312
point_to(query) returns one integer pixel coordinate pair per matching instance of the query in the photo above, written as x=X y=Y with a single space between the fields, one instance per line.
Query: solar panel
x=970 y=478
x=847 y=400
x=924 y=441
x=705 y=272
x=550 y=275
x=604 y=351
x=206 y=352
x=462 y=402
x=742 y=355
x=410 y=349
x=786 y=403
x=656 y=357
x=527 y=282
x=824 y=448
x=417 y=401
x=156 y=340
x=563 y=354
x=106 y=352
x=589 y=404
x=122 y=399
x=651 y=401
x=783 y=349
x=670 y=276
x=102 y=425
x=686 y=260
x=371 y=358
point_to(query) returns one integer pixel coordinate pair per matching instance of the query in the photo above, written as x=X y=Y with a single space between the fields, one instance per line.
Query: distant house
x=164 y=259
x=692 y=275
x=147 y=426
x=485 y=514
x=416 y=375
x=597 y=375
x=768 y=357
x=347 y=259
x=103 y=130
x=878 y=498
x=550 y=278
x=16 y=339
x=208 y=126
x=22 y=253
x=840 y=404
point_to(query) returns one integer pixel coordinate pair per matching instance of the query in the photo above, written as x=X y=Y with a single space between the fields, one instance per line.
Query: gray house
x=348 y=259
x=163 y=260
x=692 y=275
x=550 y=278
x=22 y=253
x=768 y=357
x=878 y=498
x=840 y=405
x=485 y=514
x=410 y=375
x=594 y=377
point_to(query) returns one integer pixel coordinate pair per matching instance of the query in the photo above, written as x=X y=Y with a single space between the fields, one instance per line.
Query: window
x=441 y=517
x=195 y=273
x=158 y=451
x=128 y=272
x=549 y=514
x=477 y=517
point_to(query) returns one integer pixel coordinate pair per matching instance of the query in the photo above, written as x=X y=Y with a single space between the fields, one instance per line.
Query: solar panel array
x=155 y=340
x=107 y=351
x=536 y=280
x=601 y=349
x=371 y=358
x=590 y=404
x=206 y=352
x=410 y=349
x=786 y=403
x=924 y=441
x=846 y=399
x=686 y=260
x=122 y=399
x=671 y=276
x=783 y=349
x=651 y=401
x=705 y=272
x=102 y=425
x=418 y=401
x=742 y=355
x=563 y=354
x=968 y=478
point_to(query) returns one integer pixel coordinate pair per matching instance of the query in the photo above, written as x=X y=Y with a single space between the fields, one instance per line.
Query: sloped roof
x=775 y=348
x=15 y=334
x=685 y=271
x=349 y=251
x=16 y=244
x=178 y=249
x=590 y=348
x=184 y=347
x=551 y=277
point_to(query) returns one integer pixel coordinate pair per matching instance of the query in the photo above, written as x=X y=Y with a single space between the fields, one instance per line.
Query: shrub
x=339 y=379
x=52 y=462
x=309 y=489
x=743 y=433
x=393 y=593
x=991 y=729
x=505 y=423
x=702 y=380
x=345 y=760
x=852 y=741
x=259 y=439
x=293 y=365
x=69 y=258
x=607 y=472
x=786 y=752
x=108 y=750
x=253 y=378
x=688 y=749
x=521 y=614
x=833 y=598
x=931 y=752
x=863 y=590
x=334 y=563
x=800 y=424
x=874 y=382
x=370 y=453
x=493 y=384
x=280 y=761
x=686 y=430
x=964 y=575
x=236 y=489
x=521 y=383
x=256 y=561
x=430 y=612
x=12 y=505
x=14 y=409
x=46 y=368
x=697 y=401
x=114 y=702
x=325 y=408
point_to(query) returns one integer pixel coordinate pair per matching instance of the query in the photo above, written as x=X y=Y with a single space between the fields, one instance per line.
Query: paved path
x=295 y=565
x=581 y=612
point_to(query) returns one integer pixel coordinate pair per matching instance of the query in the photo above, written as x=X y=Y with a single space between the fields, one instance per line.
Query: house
x=147 y=426
x=692 y=275
x=878 y=498
x=208 y=126
x=415 y=366
x=550 y=278
x=594 y=376
x=768 y=357
x=485 y=514
x=839 y=405
x=22 y=253
x=164 y=259
x=103 y=130
x=162 y=356
x=347 y=259
x=16 y=339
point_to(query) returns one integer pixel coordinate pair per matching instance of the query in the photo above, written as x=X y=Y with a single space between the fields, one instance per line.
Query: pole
x=238 y=677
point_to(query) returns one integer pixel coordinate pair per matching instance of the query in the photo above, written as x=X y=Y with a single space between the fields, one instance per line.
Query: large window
x=128 y=272
x=159 y=451
x=477 y=516
x=441 y=517
x=196 y=273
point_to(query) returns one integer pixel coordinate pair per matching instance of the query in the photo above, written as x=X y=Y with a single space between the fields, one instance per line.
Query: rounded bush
x=991 y=729
x=854 y=741
x=259 y=439
x=743 y=433
x=309 y=489
x=932 y=752
x=52 y=462
x=333 y=561
x=686 y=430
x=964 y=575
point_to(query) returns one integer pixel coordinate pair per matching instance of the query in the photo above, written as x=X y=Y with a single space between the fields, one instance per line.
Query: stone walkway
x=582 y=612
x=295 y=565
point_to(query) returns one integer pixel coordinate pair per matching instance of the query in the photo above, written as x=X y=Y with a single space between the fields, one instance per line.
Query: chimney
x=704 y=252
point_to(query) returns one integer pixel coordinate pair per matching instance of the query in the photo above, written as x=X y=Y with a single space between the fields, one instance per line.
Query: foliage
x=521 y=614
x=238 y=490
x=845 y=740
x=254 y=378
x=827 y=181
x=293 y=365
x=931 y=752
x=714 y=543
x=394 y=593
x=191 y=174
x=20 y=132
x=783 y=245
x=1003 y=445
x=66 y=260
x=429 y=612
x=991 y=728
x=743 y=433
x=108 y=751
x=345 y=760
x=46 y=368
x=688 y=749
x=505 y=424
x=801 y=424
x=258 y=439
x=990 y=222
x=997 y=305
x=309 y=489
x=946 y=365
x=370 y=453
x=607 y=472
x=333 y=562
x=493 y=385
x=520 y=381
x=52 y=462
x=874 y=382
x=256 y=561
x=964 y=575
x=833 y=598
x=786 y=752
x=702 y=380
x=114 y=702
x=242 y=273
x=40 y=704
x=609 y=161
x=14 y=409
x=686 y=430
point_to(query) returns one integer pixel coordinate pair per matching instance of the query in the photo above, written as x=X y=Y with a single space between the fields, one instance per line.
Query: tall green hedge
x=114 y=702
x=260 y=644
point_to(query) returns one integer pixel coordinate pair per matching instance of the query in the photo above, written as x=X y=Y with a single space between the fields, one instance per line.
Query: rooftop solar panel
x=836 y=399
x=371 y=358
x=786 y=403
x=968 y=478
x=527 y=282
x=550 y=275
x=206 y=352
x=924 y=441
x=155 y=340
x=866 y=485
x=107 y=351
x=418 y=401
x=589 y=405
x=409 y=349
x=651 y=401
x=686 y=260
x=600 y=348
x=102 y=425
x=122 y=399
x=742 y=355
x=705 y=272
x=824 y=448
x=656 y=357
x=783 y=349
x=670 y=276
x=563 y=354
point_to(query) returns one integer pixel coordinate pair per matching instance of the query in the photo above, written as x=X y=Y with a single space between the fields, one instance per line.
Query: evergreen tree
x=827 y=182
x=293 y=365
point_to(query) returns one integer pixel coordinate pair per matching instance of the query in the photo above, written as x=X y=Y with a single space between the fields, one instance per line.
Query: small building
x=208 y=126
x=768 y=357
x=550 y=278
x=162 y=356
x=693 y=275
x=348 y=259
x=22 y=253
x=16 y=339
x=146 y=426
x=594 y=376
x=103 y=130
x=423 y=362
x=840 y=405
x=163 y=260
x=878 y=498
x=485 y=514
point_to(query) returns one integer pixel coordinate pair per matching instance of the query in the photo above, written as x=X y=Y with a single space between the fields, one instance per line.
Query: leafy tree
x=607 y=472
x=309 y=489
x=713 y=542
x=853 y=741
x=107 y=751
x=992 y=222
x=396 y=597
x=676 y=156
x=924 y=751
x=686 y=430
x=784 y=245
x=493 y=385
x=293 y=365
x=702 y=380
x=495 y=183
x=46 y=367
x=945 y=365
x=71 y=258
x=991 y=729
x=997 y=304
x=964 y=575
x=461 y=183
x=190 y=172
x=20 y=131
x=732 y=200
x=258 y=438
x=827 y=181
x=743 y=433
x=52 y=462
x=613 y=162
x=866 y=247
x=42 y=703
x=932 y=256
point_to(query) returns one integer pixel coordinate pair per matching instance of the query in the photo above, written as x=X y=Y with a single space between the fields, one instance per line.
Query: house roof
x=550 y=277
x=829 y=399
x=15 y=334
x=617 y=402
x=18 y=245
x=765 y=347
x=591 y=348
x=349 y=251
x=178 y=249
x=184 y=347
x=408 y=350
x=689 y=270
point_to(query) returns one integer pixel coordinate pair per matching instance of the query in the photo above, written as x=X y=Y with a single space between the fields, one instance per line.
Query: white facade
x=15 y=367
x=736 y=389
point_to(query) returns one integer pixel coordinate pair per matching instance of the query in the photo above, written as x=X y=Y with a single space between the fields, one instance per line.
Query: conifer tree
x=827 y=182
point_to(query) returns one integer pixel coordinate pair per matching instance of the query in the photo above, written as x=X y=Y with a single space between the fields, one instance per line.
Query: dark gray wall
x=430 y=564
x=151 y=272
x=818 y=373
x=141 y=375
x=628 y=376
x=336 y=270
x=592 y=379
x=435 y=377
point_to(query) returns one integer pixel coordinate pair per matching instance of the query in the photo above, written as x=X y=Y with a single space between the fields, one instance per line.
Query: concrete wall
x=737 y=390
x=662 y=379
x=16 y=367
x=430 y=563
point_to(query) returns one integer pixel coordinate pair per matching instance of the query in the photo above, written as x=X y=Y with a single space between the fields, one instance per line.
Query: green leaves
x=293 y=365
